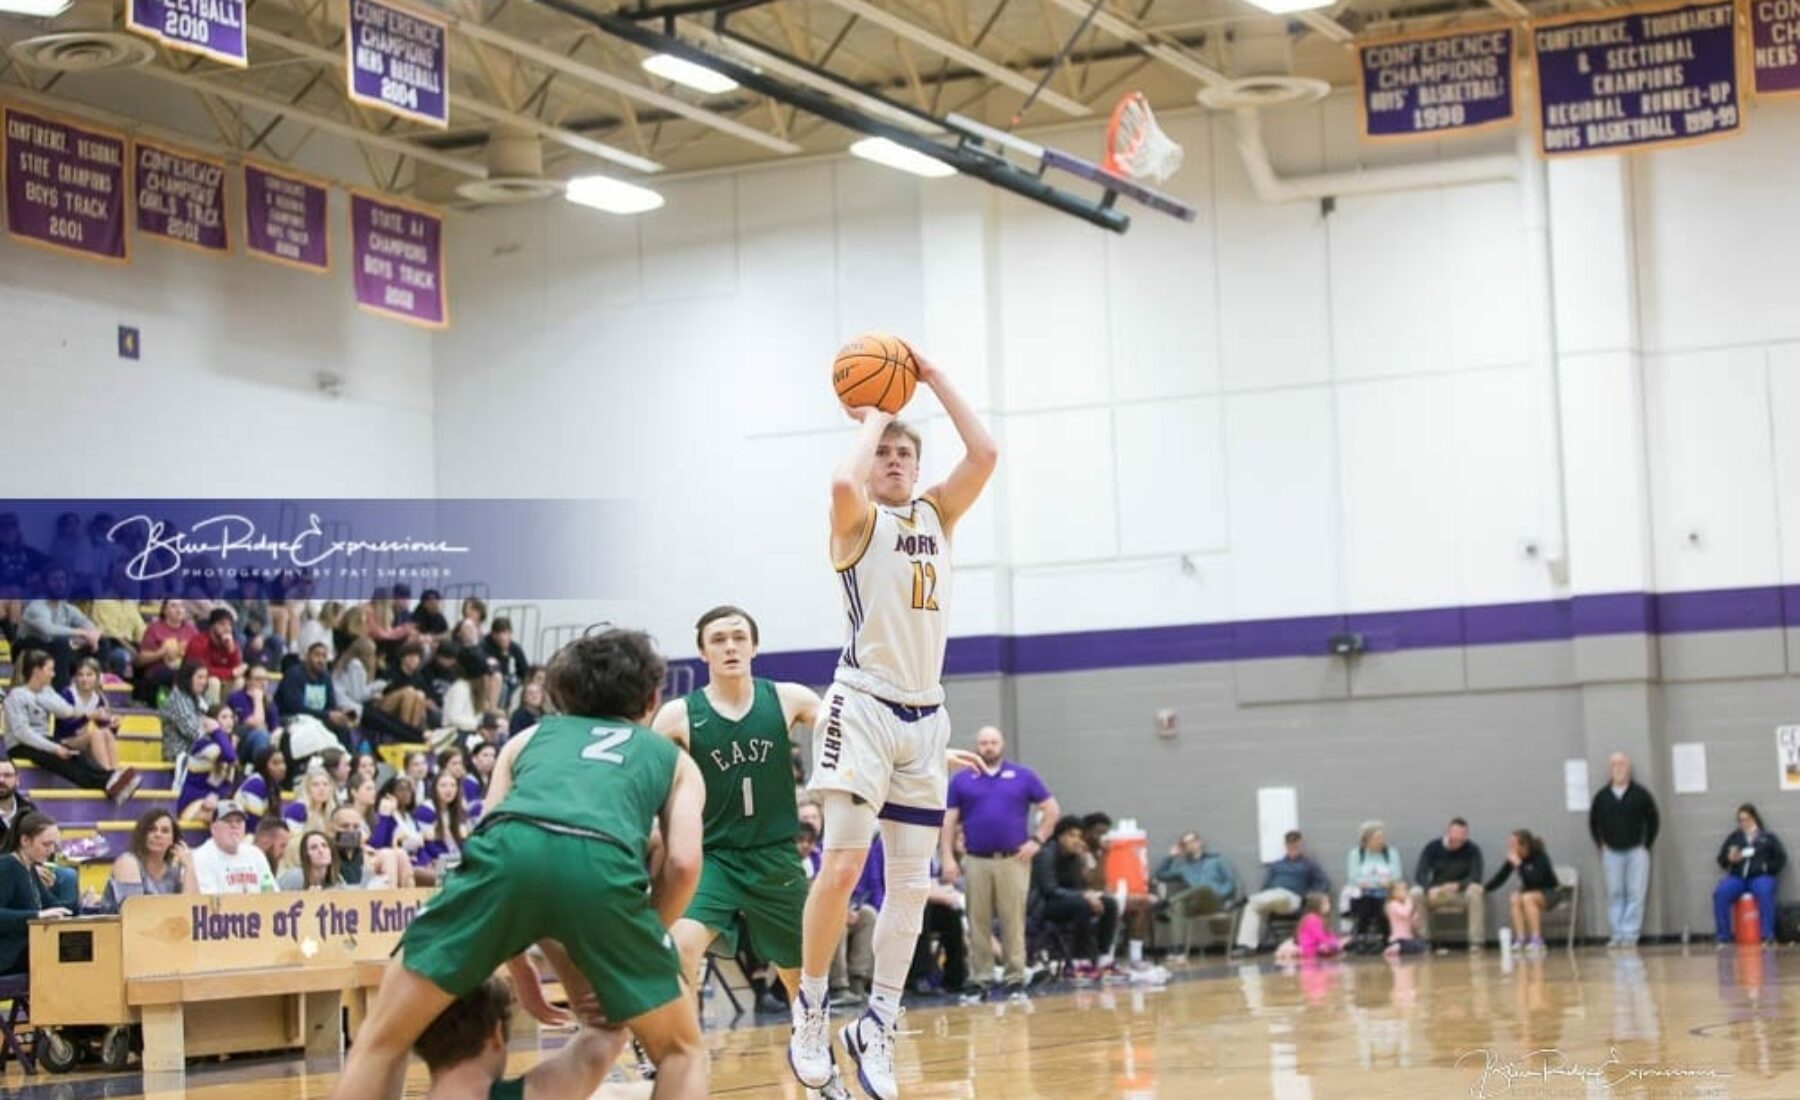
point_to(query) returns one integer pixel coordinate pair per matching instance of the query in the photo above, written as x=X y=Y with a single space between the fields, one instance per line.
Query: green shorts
x=518 y=884
x=767 y=885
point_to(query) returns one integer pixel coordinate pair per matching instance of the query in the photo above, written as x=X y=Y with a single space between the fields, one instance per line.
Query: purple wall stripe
x=1383 y=632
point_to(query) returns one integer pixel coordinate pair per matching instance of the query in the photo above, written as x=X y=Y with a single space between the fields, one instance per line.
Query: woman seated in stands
x=1372 y=868
x=531 y=707
x=449 y=827
x=93 y=728
x=1312 y=938
x=1538 y=890
x=184 y=711
x=212 y=768
x=455 y=763
x=318 y=868
x=400 y=822
x=418 y=769
x=155 y=862
x=353 y=676
x=480 y=765
x=26 y=879
x=312 y=810
x=1752 y=859
x=260 y=792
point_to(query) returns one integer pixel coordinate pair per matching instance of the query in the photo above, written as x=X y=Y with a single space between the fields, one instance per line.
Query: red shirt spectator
x=172 y=624
x=217 y=649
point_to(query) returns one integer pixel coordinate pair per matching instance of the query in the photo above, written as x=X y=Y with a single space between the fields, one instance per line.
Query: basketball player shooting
x=881 y=757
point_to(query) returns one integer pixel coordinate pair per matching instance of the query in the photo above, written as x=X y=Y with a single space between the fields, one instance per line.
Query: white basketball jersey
x=896 y=594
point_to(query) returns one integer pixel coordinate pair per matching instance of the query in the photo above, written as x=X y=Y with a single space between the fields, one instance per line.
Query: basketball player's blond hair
x=901 y=427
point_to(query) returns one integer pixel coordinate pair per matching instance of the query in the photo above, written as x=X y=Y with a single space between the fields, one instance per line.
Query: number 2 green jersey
x=596 y=777
x=748 y=769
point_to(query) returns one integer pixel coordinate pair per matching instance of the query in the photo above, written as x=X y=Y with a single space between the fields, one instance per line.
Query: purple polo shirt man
x=993 y=808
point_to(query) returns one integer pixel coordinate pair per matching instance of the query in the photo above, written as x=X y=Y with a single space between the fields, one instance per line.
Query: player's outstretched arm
x=672 y=722
x=850 y=504
x=958 y=492
x=676 y=880
x=580 y=1067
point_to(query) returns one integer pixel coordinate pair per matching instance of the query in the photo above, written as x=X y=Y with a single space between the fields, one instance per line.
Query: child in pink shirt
x=1400 y=922
x=1312 y=939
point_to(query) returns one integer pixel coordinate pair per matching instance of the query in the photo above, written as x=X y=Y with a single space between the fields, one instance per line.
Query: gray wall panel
x=1408 y=672
x=1523 y=665
x=1494 y=757
x=1291 y=680
x=1723 y=655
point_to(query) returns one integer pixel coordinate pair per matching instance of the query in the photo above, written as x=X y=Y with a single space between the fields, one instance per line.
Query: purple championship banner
x=284 y=218
x=325 y=549
x=399 y=256
x=180 y=197
x=1424 y=85
x=1641 y=80
x=210 y=28
x=398 y=61
x=1775 y=34
x=65 y=185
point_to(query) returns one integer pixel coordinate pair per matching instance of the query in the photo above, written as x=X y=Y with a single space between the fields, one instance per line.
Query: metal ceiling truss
x=968 y=161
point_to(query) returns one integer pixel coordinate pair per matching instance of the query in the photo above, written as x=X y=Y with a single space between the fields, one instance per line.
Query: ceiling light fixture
x=611 y=195
x=682 y=71
x=36 y=9
x=895 y=155
x=1283 y=7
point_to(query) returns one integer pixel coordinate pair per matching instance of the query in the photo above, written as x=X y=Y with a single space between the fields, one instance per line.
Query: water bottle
x=1687 y=933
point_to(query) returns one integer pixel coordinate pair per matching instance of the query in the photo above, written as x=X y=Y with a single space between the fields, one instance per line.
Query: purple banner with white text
x=1435 y=84
x=284 y=219
x=65 y=185
x=1638 y=80
x=180 y=197
x=210 y=28
x=328 y=549
x=1775 y=33
x=398 y=61
x=398 y=252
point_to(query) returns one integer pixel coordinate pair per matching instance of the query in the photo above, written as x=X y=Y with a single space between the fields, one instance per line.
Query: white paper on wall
x=1277 y=812
x=1575 y=786
x=1787 y=756
x=1690 y=767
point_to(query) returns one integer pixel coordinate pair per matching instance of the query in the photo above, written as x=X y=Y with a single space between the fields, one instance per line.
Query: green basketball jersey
x=595 y=777
x=512 y=1088
x=748 y=769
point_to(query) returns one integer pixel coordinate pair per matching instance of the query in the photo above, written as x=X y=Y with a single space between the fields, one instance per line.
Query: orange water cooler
x=1746 y=921
x=1128 y=858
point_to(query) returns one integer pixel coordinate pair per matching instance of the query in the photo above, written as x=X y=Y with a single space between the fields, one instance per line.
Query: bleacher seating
x=81 y=813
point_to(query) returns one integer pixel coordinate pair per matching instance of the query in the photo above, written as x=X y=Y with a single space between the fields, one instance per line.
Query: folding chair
x=1569 y=890
x=16 y=988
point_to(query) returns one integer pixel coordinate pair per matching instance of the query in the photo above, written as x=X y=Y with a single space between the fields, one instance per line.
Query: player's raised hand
x=928 y=371
x=961 y=759
x=863 y=413
x=530 y=991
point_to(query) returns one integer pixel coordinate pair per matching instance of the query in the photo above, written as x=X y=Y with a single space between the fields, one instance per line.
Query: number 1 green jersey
x=748 y=769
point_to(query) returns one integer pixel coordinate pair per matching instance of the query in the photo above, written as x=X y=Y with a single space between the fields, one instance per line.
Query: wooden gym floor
x=1662 y=1022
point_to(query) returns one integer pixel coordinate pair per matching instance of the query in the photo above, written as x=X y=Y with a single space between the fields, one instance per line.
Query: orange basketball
x=875 y=369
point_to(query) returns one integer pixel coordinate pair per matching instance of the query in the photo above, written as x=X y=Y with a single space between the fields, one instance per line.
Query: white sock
x=884 y=1002
x=1105 y=961
x=814 y=989
x=1135 y=951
